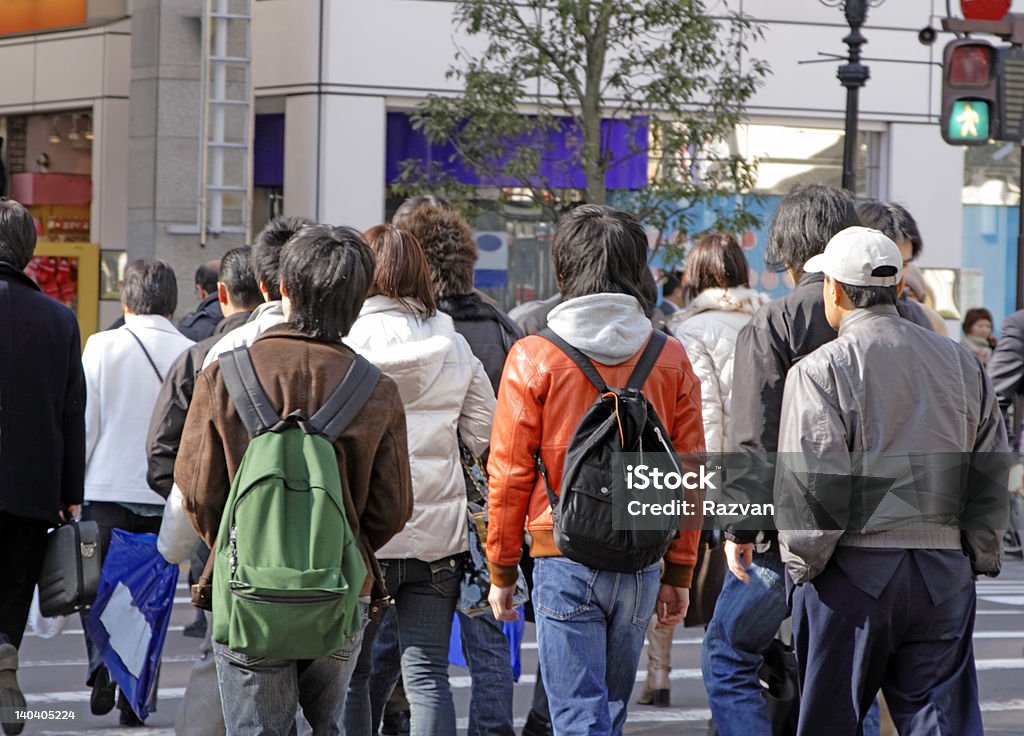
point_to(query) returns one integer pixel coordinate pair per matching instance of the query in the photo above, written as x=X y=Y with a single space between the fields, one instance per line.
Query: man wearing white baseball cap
x=880 y=531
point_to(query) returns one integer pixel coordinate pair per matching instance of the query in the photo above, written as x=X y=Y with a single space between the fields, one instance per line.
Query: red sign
x=984 y=9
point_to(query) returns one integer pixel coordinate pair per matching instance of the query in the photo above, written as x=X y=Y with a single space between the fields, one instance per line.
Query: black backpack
x=589 y=524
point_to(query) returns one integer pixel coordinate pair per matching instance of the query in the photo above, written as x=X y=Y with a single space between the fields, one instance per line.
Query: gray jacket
x=887 y=438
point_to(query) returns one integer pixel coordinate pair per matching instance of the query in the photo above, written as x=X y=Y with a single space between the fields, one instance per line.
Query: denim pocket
x=648 y=585
x=350 y=649
x=446 y=575
x=239 y=658
x=562 y=589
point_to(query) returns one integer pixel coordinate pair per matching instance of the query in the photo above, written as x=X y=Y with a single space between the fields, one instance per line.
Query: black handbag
x=782 y=687
x=71 y=569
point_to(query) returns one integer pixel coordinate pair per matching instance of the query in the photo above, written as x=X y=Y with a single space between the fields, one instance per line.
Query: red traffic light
x=984 y=9
x=969 y=65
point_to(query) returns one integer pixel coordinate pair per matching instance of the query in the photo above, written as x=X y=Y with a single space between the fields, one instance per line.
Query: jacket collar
x=811 y=278
x=380 y=303
x=150 y=321
x=870 y=314
x=274 y=306
x=287 y=331
x=10 y=272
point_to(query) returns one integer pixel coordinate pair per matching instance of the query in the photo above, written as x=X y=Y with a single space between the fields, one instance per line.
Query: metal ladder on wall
x=227 y=121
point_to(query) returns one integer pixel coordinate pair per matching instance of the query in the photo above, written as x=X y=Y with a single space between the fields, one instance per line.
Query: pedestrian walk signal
x=968 y=122
x=970 y=94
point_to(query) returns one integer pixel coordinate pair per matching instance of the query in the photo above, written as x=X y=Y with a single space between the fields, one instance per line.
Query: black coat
x=1006 y=369
x=172 y=403
x=489 y=331
x=42 y=401
x=200 y=324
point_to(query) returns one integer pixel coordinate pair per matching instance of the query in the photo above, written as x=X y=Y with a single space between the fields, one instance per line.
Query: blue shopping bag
x=513 y=631
x=128 y=621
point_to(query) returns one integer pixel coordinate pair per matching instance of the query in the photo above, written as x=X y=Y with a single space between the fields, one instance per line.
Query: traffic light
x=1010 y=72
x=971 y=113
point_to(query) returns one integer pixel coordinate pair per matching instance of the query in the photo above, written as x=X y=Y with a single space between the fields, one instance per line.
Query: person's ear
x=832 y=292
x=284 y=291
x=900 y=285
x=222 y=293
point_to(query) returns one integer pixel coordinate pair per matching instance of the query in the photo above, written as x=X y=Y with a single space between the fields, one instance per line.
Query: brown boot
x=11 y=697
x=657 y=690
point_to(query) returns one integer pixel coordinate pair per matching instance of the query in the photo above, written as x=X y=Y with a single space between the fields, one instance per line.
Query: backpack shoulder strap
x=348 y=399
x=244 y=387
x=647 y=360
x=581 y=360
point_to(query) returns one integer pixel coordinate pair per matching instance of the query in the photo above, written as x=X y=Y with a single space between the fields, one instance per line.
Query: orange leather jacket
x=542 y=397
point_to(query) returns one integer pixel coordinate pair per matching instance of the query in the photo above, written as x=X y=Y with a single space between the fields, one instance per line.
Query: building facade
x=332 y=77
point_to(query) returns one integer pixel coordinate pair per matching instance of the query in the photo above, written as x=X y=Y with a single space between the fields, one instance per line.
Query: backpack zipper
x=326 y=597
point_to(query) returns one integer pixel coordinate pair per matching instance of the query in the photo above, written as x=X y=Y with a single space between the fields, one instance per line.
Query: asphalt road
x=53 y=673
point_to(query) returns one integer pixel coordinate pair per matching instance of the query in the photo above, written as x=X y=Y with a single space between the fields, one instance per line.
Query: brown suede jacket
x=543 y=396
x=299 y=372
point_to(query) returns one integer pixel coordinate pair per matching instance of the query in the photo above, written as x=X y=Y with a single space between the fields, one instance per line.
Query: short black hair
x=149 y=287
x=17 y=234
x=598 y=249
x=239 y=279
x=327 y=272
x=206 y=277
x=670 y=284
x=806 y=219
x=894 y=221
x=266 y=250
x=871 y=296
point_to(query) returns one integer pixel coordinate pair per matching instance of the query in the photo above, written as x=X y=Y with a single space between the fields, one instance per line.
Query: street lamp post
x=853 y=75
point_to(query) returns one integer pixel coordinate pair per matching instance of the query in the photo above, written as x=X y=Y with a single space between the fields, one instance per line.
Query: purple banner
x=620 y=138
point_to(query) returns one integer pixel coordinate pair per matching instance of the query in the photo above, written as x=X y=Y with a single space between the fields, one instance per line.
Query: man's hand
x=739 y=557
x=501 y=602
x=671 y=606
x=67 y=513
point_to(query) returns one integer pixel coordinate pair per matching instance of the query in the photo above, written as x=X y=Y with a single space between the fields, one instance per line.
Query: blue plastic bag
x=128 y=621
x=513 y=631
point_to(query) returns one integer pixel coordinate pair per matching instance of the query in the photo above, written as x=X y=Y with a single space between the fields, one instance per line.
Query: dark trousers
x=916 y=649
x=22 y=548
x=109 y=516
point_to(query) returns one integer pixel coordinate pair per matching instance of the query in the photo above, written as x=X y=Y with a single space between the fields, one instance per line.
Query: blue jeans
x=375 y=675
x=490 y=666
x=747 y=617
x=590 y=631
x=261 y=695
x=425 y=594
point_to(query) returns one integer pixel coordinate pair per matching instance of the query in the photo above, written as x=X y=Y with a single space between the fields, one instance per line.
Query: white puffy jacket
x=708 y=328
x=445 y=392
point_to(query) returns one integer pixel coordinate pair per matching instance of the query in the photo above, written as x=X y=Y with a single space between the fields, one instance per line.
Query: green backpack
x=288 y=571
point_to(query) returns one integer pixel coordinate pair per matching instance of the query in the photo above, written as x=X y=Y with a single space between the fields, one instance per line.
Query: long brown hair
x=716 y=260
x=401 y=271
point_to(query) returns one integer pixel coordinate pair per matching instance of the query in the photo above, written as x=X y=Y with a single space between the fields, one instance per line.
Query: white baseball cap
x=854 y=253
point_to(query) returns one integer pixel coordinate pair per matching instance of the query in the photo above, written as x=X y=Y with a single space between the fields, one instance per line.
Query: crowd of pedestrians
x=377 y=346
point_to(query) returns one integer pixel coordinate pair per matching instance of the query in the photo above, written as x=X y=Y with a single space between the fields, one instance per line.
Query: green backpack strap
x=347 y=400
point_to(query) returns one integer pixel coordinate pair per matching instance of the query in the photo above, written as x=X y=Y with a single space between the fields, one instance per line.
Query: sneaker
x=396 y=723
x=104 y=689
x=196 y=629
x=128 y=717
x=11 y=696
x=536 y=725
